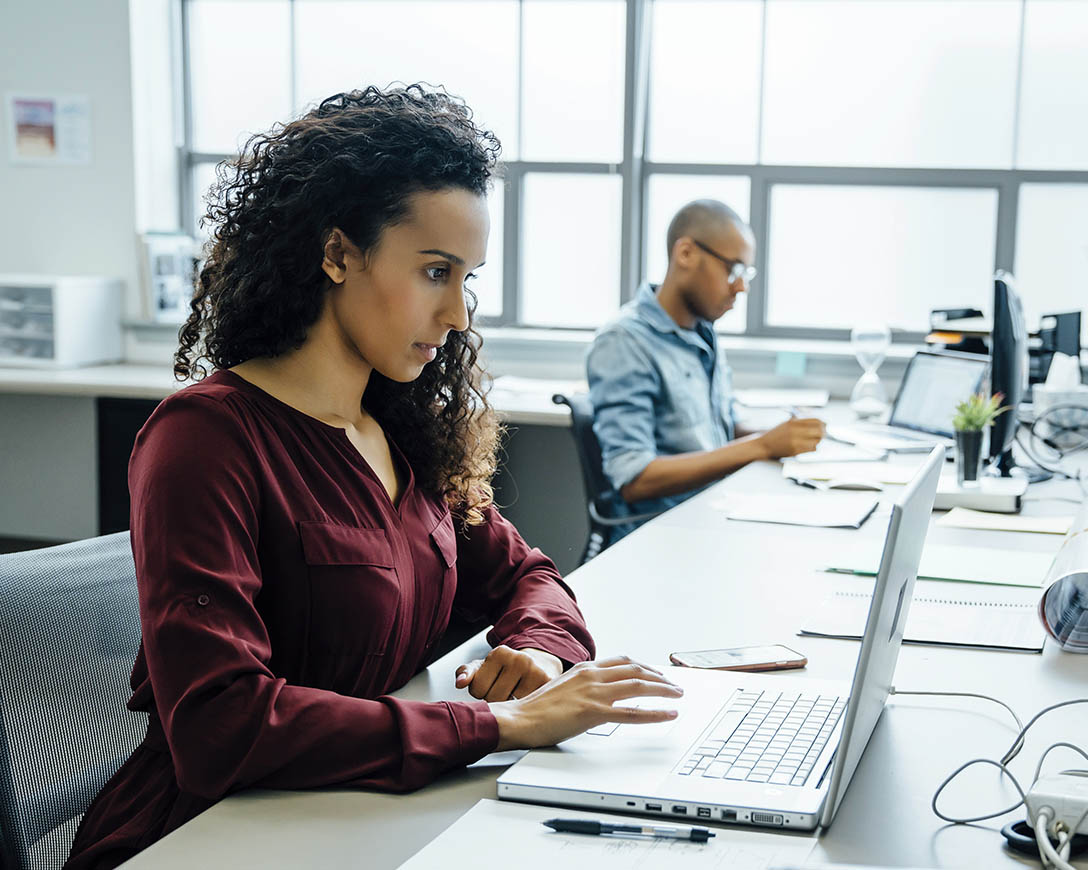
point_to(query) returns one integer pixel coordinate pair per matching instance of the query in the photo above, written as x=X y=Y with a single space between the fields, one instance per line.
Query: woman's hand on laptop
x=796 y=435
x=508 y=673
x=580 y=699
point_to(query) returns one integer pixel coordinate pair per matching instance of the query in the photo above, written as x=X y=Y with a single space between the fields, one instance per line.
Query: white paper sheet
x=860 y=472
x=832 y=451
x=786 y=398
x=965 y=565
x=499 y=834
x=830 y=510
x=965 y=518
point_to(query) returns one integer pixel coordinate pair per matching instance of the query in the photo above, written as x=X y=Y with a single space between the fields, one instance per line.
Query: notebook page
x=1001 y=617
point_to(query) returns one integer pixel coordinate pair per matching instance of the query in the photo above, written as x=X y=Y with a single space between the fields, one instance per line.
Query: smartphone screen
x=766 y=657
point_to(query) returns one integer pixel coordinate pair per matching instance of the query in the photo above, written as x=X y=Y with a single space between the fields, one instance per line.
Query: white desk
x=688 y=580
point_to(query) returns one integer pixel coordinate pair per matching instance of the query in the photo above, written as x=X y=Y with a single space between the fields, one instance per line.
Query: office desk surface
x=691 y=579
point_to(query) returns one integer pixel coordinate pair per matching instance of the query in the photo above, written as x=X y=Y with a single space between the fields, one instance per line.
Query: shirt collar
x=657 y=317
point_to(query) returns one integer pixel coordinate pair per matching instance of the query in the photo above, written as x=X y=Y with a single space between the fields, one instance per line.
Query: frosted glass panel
x=572 y=87
x=839 y=256
x=702 y=111
x=239 y=70
x=570 y=249
x=1054 y=93
x=1052 y=251
x=664 y=197
x=488 y=283
x=894 y=83
x=469 y=47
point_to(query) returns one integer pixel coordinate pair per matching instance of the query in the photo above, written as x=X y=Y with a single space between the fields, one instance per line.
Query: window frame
x=636 y=172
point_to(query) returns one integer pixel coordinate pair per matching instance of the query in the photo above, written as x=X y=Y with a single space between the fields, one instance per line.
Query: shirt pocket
x=354 y=590
x=444 y=543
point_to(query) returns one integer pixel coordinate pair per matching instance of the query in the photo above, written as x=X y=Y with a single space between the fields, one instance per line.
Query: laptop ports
x=703 y=812
x=680 y=810
x=729 y=815
x=653 y=808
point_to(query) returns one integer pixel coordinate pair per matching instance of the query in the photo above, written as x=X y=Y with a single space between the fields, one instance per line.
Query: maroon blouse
x=282 y=595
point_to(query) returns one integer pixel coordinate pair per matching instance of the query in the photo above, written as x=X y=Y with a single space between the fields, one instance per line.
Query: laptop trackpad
x=655 y=730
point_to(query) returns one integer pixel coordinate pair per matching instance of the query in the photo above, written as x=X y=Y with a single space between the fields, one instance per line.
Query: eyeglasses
x=737 y=269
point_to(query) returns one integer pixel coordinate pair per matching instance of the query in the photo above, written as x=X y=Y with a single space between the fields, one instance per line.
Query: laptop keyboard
x=771 y=737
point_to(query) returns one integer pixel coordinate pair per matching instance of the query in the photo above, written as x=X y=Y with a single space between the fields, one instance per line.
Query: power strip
x=1065 y=796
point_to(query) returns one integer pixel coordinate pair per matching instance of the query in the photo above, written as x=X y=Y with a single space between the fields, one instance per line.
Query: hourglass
x=870 y=343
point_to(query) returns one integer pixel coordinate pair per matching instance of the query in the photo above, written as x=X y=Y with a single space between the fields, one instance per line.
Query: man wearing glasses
x=661 y=392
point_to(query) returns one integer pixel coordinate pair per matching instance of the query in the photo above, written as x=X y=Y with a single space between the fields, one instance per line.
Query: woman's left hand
x=508 y=673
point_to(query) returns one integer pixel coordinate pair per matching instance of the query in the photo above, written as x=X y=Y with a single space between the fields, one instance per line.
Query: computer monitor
x=1008 y=367
x=1058 y=333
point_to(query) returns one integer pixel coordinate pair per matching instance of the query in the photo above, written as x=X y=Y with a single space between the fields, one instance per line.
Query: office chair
x=69 y=630
x=600 y=497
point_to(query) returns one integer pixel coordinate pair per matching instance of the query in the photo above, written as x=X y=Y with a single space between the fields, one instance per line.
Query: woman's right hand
x=580 y=699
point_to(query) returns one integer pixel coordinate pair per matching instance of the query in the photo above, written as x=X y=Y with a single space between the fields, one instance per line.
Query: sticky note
x=789 y=364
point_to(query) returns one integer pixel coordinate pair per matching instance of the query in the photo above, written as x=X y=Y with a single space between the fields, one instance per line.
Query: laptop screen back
x=932 y=386
x=892 y=590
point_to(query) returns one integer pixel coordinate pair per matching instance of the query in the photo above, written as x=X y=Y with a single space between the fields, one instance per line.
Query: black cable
x=1061 y=452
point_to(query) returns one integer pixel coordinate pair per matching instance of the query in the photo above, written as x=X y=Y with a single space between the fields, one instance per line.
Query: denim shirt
x=657 y=390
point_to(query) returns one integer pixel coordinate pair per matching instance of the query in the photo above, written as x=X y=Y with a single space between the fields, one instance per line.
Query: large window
x=889 y=155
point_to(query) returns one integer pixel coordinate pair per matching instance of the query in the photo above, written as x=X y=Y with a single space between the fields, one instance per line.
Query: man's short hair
x=700 y=217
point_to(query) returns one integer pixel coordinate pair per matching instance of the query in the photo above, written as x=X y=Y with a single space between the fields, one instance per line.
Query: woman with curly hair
x=306 y=516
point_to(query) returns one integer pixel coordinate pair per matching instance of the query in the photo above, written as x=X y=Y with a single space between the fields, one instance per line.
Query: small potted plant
x=973 y=416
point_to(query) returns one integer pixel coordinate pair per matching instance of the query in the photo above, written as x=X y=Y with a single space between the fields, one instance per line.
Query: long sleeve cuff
x=441 y=736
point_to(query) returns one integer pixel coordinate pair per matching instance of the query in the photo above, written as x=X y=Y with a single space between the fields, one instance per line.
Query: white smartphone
x=770 y=657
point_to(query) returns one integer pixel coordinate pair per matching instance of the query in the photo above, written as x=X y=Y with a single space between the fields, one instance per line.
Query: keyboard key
x=738 y=772
x=724 y=729
x=716 y=770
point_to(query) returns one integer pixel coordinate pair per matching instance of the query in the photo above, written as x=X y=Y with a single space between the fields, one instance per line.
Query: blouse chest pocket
x=354 y=590
x=444 y=539
x=444 y=543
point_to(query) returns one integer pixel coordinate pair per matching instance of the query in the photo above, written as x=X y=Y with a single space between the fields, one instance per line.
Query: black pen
x=668 y=832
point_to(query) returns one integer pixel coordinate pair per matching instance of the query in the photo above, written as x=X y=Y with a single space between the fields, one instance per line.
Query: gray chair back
x=601 y=499
x=69 y=631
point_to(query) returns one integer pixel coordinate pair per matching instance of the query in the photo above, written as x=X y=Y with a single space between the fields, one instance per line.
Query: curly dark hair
x=353 y=163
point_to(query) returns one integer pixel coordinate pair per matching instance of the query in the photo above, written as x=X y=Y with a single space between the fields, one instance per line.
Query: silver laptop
x=922 y=414
x=754 y=749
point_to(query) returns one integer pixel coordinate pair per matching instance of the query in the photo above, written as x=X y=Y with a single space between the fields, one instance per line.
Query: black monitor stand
x=1007 y=467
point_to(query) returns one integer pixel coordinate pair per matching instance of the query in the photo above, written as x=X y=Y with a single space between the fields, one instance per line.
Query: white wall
x=71 y=219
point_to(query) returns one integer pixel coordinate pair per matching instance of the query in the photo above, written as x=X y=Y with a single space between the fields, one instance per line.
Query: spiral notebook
x=948 y=614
